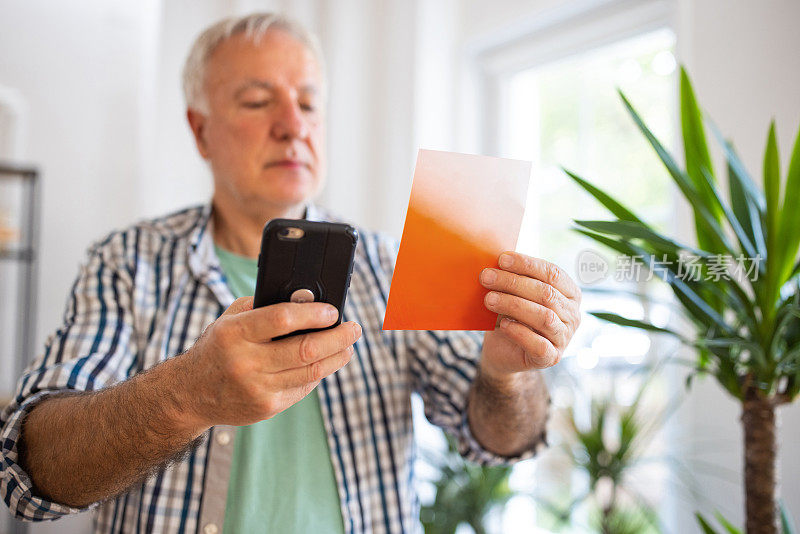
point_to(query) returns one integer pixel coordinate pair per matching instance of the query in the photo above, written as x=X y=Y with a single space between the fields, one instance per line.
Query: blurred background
x=90 y=96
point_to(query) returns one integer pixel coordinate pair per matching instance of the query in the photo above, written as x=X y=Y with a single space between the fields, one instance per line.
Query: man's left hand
x=539 y=308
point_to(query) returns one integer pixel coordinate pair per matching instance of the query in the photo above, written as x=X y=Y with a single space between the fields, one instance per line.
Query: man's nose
x=290 y=123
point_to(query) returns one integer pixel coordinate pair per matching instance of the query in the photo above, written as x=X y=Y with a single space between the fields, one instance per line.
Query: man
x=131 y=411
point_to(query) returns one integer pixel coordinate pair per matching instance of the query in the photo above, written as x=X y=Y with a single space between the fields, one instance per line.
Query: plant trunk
x=760 y=454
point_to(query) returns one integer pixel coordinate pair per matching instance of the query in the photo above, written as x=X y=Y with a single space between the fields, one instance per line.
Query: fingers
x=262 y=324
x=533 y=290
x=239 y=305
x=314 y=372
x=539 y=352
x=542 y=270
x=540 y=318
x=307 y=349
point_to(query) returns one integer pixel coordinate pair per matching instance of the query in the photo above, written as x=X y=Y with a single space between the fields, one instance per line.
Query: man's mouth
x=286 y=164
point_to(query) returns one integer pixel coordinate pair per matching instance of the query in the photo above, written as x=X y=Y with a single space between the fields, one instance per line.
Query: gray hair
x=253 y=27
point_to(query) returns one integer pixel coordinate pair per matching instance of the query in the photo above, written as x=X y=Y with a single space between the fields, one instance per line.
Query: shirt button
x=210 y=528
x=223 y=438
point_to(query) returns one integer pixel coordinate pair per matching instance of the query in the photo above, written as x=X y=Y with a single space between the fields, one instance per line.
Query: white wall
x=78 y=86
x=76 y=64
x=173 y=174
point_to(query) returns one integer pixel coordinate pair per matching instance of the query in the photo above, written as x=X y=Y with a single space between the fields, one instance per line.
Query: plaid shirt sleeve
x=444 y=365
x=90 y=351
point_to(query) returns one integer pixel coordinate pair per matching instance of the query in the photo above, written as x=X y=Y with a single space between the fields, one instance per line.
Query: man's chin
x=287 y=200
x=291 y=189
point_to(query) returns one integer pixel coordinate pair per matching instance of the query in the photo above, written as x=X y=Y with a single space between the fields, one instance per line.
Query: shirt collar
x=314 y=213
x=203 y=261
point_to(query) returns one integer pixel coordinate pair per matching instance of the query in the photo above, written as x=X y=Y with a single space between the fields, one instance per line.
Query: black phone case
x=320 y=261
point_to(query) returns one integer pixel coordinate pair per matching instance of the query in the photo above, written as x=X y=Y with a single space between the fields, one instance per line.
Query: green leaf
x=772 y=191
x=746 y=211
x=690 y=379
x=694 y=137
x=793 y=385
x=712 y=232
x=707 y=528
x=693 y=302
x=730 y=293
x=789 y=233
x=738 y=168
x=789 y=360
x=635 y=323
x=697 y=306
x=786 y=520
x=703 y=360
x=696 y=155
x=728 y=378
x=613 y=244
x=725 y=342
x=636 y=230
x=747 y=199
x=604 y=198
x=628 y=250
x=685 y=292
x=744 y=238
x=727 y=524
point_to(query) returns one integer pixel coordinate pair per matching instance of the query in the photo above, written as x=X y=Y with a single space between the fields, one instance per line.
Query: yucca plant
x=787 y=526
x=746 y=328
x=608 y=449
x=465 y=492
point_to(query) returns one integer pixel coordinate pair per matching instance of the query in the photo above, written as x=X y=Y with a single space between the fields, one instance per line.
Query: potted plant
x=608 y=449
x=746 y=325
x=466 y=493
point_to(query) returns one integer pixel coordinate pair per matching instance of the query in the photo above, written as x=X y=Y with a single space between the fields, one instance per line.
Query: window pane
x=567 y=113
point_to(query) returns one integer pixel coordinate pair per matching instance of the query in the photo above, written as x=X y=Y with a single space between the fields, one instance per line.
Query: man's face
x=264 y=132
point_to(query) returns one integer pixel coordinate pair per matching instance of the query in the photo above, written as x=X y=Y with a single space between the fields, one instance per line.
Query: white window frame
x=489 y=60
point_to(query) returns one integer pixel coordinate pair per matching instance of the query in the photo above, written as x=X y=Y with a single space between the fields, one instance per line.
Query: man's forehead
x=273 y=57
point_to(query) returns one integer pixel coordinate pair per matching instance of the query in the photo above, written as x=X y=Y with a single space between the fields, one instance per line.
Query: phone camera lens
x=291 y=232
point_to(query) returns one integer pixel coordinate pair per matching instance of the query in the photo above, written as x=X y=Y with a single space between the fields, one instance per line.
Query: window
x=557 y=111
x=567 y=113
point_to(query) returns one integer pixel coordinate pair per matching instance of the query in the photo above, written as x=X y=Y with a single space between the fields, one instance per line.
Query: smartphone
x=305 y=261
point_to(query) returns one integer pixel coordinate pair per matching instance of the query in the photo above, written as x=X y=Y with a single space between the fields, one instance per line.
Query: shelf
x=13 y=169
x=18 y=254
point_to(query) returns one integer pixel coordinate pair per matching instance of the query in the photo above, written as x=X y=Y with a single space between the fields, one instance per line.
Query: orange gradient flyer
x=463 y=212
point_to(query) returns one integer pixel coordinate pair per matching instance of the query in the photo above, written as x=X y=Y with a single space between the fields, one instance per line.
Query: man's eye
x=308 y=107
x=255 y=104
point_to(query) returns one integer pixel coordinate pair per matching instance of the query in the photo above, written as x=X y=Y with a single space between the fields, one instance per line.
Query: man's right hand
x=236 y=374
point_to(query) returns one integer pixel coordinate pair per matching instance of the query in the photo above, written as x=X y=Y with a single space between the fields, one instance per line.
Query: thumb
x=239 y=305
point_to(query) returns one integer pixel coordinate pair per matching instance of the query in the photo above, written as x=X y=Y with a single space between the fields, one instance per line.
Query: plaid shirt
x=146 y=293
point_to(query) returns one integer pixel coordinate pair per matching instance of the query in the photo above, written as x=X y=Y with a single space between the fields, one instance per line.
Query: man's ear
x=197 y=122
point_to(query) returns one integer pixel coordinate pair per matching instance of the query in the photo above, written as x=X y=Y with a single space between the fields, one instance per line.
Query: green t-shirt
x=282 y=477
